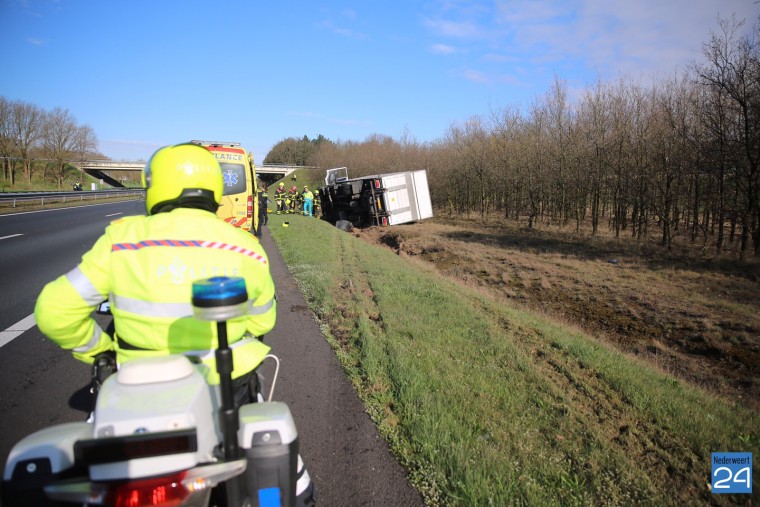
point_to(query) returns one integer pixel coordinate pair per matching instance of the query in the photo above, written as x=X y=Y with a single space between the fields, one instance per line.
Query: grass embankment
x=489 y=405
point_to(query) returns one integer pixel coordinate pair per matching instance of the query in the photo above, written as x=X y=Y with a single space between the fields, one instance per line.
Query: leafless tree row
x=678 y=158
x=33 y=139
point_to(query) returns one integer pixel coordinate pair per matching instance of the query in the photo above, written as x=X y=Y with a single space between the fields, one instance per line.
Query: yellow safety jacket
x=145 y=266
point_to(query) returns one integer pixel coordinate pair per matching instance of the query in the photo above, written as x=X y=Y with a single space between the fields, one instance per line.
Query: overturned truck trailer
x=382 y=199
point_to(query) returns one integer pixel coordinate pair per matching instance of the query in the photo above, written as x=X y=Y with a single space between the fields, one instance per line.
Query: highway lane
x=42 y=385
x=38 y=378
x=39 y=246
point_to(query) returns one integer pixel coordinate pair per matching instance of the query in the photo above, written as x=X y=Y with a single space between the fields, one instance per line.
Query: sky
x=144 y=74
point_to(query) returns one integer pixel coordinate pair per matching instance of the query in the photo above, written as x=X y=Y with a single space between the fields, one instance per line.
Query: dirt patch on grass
x=691 y=314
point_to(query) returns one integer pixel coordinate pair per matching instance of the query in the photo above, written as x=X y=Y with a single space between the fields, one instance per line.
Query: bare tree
x=733 y=67
x=60 y=141
x=85 y=145
x=26 y=121
x=536 y=161
x=596 y=125
x=7 y=144
x=506 y=137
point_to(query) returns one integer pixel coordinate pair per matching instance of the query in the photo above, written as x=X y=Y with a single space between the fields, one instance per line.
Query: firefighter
x=317 y=202
x=145 y=266
x=279 y=198
x=293 y=196
x=308 y=199
x=263 y=198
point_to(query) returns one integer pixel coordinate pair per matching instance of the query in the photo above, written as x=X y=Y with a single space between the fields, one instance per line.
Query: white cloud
x=652 y=38
x=442 y=49
x=476 y=76
x=456 y=29
x=344 y=32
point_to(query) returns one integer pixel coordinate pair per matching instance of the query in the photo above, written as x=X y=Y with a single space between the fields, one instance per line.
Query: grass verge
x=486 y=404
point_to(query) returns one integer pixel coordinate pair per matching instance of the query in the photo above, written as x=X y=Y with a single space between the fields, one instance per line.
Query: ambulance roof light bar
x=215 y=143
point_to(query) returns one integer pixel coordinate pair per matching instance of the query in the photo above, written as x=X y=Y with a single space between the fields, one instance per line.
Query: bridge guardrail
x=22 y=200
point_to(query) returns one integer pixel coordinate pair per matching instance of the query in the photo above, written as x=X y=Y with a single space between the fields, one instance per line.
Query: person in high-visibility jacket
x=292 y=199
x=317 y=205
x=279 y=198
x=263 y=198
x=145 y=266
x=308 y=198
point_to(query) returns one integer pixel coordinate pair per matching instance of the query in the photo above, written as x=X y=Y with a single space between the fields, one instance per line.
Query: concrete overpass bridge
x=105 y=169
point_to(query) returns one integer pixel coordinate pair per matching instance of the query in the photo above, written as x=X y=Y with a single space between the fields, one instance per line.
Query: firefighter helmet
x=182 y=175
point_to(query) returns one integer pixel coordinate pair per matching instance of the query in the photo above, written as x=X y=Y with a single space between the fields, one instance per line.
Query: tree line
x=33 y=139
x=679 y=158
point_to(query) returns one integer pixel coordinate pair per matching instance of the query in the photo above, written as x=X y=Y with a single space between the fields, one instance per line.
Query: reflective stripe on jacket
x=146 y=266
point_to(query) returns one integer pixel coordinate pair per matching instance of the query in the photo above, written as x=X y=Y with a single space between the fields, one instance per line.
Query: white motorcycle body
x=156 y=431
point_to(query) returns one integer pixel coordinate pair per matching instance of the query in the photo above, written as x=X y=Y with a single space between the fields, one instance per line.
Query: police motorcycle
x=153 y=438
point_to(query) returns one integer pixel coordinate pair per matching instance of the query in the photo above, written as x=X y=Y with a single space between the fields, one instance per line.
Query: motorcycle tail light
x=180 y=489
x=189 y=487
x=167 y=491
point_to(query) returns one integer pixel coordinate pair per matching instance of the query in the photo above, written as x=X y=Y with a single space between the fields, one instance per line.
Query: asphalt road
x=349 y=463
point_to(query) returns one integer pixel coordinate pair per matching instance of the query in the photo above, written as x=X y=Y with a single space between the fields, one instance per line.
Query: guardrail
x=19 y=200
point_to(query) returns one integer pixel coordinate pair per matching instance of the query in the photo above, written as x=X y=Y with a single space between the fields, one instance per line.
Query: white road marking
x=16 y=329
x=61 y=209
x=114 y=214
x=11 y=236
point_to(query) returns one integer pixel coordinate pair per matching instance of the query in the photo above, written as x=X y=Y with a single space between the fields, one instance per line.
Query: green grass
x=488 y=405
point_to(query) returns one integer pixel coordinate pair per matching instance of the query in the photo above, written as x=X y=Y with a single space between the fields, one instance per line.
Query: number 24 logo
x=720 y=484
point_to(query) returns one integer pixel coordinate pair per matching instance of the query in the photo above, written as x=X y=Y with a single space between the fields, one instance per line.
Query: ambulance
x=239 y=204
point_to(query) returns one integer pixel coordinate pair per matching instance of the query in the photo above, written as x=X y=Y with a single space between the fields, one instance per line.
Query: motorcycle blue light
x=219 y=298
x=219 y=291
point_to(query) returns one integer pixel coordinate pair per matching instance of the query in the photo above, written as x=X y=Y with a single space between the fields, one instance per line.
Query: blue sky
x=144 y=74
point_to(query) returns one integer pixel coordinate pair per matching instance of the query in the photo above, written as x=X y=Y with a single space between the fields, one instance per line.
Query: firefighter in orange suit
x=146 y=266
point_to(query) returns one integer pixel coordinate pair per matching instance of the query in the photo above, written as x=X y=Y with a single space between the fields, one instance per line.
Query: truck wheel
x=344 y=225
